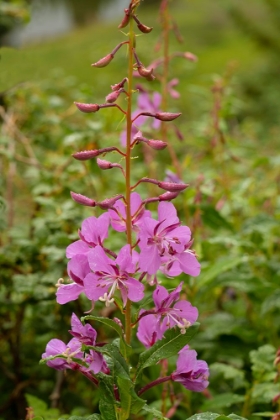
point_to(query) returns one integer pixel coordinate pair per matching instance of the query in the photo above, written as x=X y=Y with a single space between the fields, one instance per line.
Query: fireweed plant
x=122 y=279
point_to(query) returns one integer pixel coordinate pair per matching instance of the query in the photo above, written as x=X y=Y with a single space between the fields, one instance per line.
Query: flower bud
x=109 y=202
x=172 y=186
x=104 y=164
x=87 y=108
x=168 y=196
x=147 y=73
x=86 y=154
x=103 y=62
x=167 y=116
x=125 y=20
x=143 y=28
x=89 y=154
x=113 y=96
x=156 y=144
x=190 y=56
x=120 y=85
x=82 y=199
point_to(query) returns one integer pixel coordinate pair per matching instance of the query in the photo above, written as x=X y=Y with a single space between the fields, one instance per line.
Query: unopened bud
x=147 y=73
x=120 y=85
x=86 y=154
x=104 y=164
x=103 y=62
x=83 y=200
x=89 y=154
x=172 y=186
x=125 y=20
x=190 y=56
x=156 y=144
x=113 y=96
x=143 y=28
x=109 y=202
x=167 y=116
x=87 y=108
x=168 y=196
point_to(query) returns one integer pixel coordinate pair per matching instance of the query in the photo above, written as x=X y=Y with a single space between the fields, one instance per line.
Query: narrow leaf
x=169 y=346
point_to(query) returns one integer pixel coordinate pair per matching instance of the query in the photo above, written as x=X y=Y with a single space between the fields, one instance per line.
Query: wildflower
x=138 y=212
x=57 y=347
x=148 y=332
x=191 y=373
x=109 y=276
x=78 y=268
x=94 y=231
x=161 y=238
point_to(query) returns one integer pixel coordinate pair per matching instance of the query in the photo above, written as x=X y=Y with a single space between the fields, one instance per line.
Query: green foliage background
x=232 y=204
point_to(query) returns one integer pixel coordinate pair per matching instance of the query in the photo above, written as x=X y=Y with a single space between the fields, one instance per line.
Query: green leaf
x=170 y=345
x=157 y=414
x=262 y=361
x=92 y=417
x=112 y=324
x=121 y=368
x=223 y=400
x=204 y=416
x=107 y=321
x=236 y=417
x=209 y=274
x=125 y=385
x=107 y=398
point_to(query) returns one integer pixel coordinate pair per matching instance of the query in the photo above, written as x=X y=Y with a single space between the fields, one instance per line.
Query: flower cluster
x=152 y=248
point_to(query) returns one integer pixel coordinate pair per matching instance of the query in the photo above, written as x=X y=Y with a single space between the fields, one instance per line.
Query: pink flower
x=164 y=237
x=78 y=268
x=109 y=276
x=118 y=217
x=191 y=373
x=94 y=231
x=169 y=312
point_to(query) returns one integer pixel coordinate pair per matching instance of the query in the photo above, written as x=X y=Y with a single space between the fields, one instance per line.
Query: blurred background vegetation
x=230 y=156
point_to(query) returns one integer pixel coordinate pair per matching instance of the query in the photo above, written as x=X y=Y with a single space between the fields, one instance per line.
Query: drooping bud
x=103 y=62
x=113 y=96
x=168 y=196
x=190 y=56
x=120 y=85
x=143 y=28
x=104 y=164
x=82 y=199
x=167 y=116
x=156 y=144
x=147 y=73
x=89 y=154
x=172 y=186
x=87 y=108
x=125 y=20
x=109 y=202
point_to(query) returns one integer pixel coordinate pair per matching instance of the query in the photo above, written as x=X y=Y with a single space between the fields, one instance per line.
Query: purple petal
x=98 y=260
x=147 y=333
x=187 y=311
x=78 y=268
x=135 y=289
x=149 y=259
x=68 y=292
x=78 y=247
x=93 y=290
x=159 y=295
x=124 y=260
x=189 y=264
x=167 y=213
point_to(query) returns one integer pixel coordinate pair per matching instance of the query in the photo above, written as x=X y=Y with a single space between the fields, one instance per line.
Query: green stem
x=128 y=165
